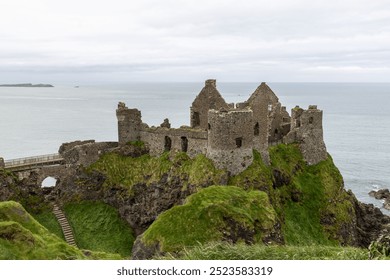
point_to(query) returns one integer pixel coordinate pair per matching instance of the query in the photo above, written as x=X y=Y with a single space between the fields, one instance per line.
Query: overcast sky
x=96 y=41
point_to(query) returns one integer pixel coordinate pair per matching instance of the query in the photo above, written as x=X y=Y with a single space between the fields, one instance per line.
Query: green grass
x=23 y=238
x=302 y=196
x=256 y=176
x=98 y=227
x=196 y=171
x=319 y=191
x=50 y=222
x=125 y=171
x=206 y=216
x=286 y=158
x=226 y=251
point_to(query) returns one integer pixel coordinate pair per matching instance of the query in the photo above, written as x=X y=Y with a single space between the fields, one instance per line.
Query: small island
x=26 y=85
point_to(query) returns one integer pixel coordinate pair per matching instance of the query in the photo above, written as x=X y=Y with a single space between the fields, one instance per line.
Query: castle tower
x=129 y=124
x=266 y=107
x=208 y=98
x=230 y=139
x=307 y=131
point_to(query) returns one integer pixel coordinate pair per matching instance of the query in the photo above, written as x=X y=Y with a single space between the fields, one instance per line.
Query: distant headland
x=26 y=85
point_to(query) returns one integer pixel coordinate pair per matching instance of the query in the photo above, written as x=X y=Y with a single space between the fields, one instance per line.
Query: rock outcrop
x=384 y=195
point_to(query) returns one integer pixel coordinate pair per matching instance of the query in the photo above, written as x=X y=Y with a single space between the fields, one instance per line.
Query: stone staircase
x=66 y=229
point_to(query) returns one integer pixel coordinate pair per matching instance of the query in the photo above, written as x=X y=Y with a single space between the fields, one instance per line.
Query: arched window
x=167 y=144
x=184 y=144
x=256 y=129
x=196 y=119
x=239 y=142
x=311 y=120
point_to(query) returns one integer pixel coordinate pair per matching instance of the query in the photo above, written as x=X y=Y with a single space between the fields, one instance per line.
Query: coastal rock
x=383 y=194
x=370 y=222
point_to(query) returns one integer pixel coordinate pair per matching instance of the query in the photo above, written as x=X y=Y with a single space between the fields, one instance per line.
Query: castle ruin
x=228 y=133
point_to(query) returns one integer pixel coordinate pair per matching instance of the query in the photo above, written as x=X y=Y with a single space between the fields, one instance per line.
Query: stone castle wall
x=230 y=139
x=129 y=124
x=209 y=98
x=161 y=139
x=308 y=132
x=228 y=135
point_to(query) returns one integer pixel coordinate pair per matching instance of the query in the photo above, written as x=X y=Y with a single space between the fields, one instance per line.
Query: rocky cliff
x=300 y=204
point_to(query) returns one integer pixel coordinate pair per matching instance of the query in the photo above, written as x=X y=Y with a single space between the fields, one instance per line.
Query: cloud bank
x=117 y=41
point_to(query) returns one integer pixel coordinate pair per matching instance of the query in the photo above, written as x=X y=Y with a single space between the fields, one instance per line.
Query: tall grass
x=98 y=227
x=226 y=251
x=48 y=220
x=23 y=238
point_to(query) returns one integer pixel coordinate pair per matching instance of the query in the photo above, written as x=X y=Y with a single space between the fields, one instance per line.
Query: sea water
x=35 y=121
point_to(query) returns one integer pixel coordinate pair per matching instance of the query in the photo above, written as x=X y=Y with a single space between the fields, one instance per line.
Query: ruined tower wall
x=279 y=124
x=230 y=139
x=227 y=135
x=161 y=139
x=307 y=131
x=208 y=98
x=129 y=124
x=262 y=102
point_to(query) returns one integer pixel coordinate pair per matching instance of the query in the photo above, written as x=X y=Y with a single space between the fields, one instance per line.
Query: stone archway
x=56 y=172
x=49 y=182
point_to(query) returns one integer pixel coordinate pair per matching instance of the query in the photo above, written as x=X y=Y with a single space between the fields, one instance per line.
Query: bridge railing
x=32 y=160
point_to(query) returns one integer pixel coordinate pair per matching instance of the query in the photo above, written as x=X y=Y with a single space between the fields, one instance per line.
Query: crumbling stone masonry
x=228 y=133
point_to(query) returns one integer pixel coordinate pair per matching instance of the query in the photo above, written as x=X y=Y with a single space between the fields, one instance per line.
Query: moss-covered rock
x=311 y=201
x=217 y=213
x=141 y=188
x=22 y=237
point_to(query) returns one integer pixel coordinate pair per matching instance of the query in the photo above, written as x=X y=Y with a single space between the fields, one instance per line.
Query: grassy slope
x=125 y=172
x=22 y=237
x=203 y=217
x=226 y=251
x=49 y=221
x=318 y=190
x=301 y=196
x=98 y=227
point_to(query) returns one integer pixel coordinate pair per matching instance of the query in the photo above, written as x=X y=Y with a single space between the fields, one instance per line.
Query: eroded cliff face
x=142 y=187
x=25 y=191
x=139 y=186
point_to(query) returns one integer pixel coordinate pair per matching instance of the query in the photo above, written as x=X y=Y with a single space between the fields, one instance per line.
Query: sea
x=36 y=121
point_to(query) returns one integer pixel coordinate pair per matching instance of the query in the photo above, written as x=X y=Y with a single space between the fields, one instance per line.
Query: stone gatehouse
x=228 y=133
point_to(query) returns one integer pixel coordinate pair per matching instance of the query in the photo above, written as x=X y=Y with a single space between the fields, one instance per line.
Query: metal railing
x=37 y=160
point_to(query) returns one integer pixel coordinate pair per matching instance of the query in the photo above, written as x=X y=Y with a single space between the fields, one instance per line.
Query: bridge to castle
x=28 y=163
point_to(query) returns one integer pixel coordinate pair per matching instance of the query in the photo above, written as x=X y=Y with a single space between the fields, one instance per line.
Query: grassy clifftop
x=307 y=204
x=212 y=214
x=183 y=206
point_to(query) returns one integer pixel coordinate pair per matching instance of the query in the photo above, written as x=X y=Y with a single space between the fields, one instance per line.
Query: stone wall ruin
x=228 y=133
